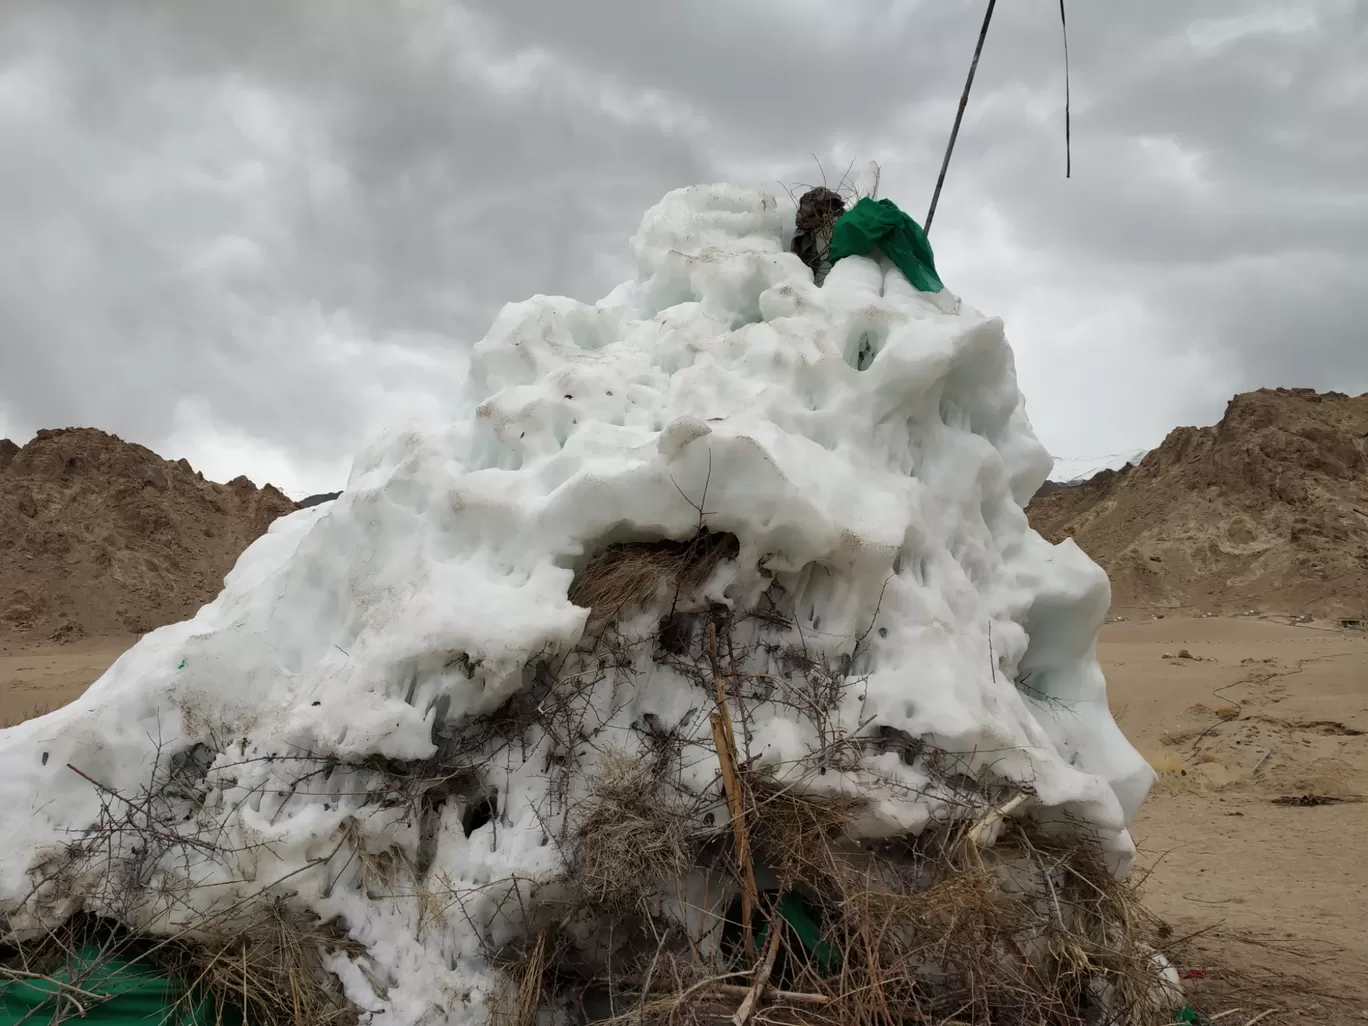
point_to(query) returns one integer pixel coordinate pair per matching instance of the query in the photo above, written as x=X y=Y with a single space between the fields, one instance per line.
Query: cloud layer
x=253 y=233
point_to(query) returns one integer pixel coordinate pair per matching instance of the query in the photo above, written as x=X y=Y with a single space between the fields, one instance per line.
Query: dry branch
x=762 y=977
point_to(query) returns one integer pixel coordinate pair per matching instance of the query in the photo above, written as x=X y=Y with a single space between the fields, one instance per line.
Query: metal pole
x=959 y=114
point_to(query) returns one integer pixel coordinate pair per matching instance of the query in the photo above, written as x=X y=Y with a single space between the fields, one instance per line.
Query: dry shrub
x=801 y=835
x=922 y=930
x=631 y=573
x=631 y=836
x=933 y=930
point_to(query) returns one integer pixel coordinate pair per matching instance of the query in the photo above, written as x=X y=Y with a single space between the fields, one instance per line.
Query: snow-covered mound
x=1072 y=470
x=864 y=444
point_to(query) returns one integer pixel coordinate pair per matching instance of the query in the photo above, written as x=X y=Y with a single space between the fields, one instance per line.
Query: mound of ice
x=866 y=446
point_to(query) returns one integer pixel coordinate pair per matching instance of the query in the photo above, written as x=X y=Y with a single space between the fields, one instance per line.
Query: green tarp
x=110 y=990
x=794 y=911
x=870 y=223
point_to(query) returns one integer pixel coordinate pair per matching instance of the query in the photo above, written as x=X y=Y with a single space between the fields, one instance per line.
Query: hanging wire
x=1068 y=144
x=959 y=114
x=964 y=102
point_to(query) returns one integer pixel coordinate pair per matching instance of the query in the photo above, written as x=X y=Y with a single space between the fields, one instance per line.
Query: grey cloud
x=1255 y=247
x=207 y=201
x=212 y=192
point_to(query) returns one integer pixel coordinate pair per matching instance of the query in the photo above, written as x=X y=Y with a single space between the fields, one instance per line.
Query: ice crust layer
x=868 y=447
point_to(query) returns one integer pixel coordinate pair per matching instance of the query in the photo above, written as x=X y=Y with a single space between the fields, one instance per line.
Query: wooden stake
x=736 y=808
x=725 y=739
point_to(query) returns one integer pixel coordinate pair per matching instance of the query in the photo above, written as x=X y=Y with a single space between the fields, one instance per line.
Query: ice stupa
x=721 y=484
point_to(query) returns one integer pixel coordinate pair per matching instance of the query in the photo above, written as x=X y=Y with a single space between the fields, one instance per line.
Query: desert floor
x=1237 y=715
x=1281 y=889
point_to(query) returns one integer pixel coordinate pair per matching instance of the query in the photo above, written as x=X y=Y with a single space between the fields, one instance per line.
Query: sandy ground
x=35 y=679
x=1280 y=890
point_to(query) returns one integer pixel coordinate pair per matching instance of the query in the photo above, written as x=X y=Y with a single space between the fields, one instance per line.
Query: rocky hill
x=100 y=536
x=1266 y=510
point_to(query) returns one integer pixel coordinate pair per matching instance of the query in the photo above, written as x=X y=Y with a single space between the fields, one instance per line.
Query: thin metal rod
x=959 y=114
x=1068 y=143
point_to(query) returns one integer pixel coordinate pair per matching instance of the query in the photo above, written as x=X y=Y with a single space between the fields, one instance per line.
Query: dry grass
x=803 y=834
x=935 y=930
x=529 y=973
x=626 y=575
x=921 y=930
x=15 y=718
x=632 y=834
x=271 y=969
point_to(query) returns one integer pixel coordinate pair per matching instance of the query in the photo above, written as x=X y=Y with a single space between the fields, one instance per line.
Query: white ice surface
x=1072 y=470
x=871 y=453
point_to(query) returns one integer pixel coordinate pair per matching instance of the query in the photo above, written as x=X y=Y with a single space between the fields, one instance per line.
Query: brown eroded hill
x=1266 y=510
x=101 y=537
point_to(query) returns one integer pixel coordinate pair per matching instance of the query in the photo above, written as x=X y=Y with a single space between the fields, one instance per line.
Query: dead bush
x=631 y=573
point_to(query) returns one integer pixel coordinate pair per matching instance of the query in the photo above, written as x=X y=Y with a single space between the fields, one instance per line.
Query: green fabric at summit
x=879 y=223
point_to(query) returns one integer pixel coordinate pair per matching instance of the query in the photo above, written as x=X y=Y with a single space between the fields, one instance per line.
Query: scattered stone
x=1310 y=800
x=154 y=476
x=68 y=631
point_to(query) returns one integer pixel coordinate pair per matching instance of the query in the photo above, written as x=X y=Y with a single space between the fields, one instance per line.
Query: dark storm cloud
x=1223 y=180
x=221 y=210
x=265 y=228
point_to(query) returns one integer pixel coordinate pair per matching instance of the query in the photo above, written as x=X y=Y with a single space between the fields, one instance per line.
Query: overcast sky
x=252 y=233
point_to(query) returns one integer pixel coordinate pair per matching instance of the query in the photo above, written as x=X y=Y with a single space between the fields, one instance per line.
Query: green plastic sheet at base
x=792 y=909
x=1188 y=1014
x=132 y=993
x=870 y=223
